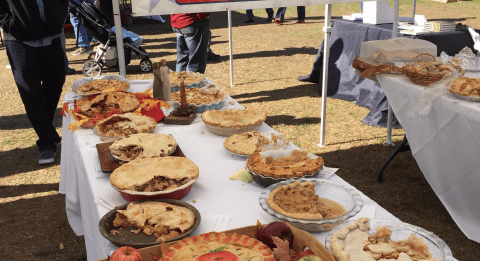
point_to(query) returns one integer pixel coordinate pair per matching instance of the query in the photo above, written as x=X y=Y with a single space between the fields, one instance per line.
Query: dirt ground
x=268 y=59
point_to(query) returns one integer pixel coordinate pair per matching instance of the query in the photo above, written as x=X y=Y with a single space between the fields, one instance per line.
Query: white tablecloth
x=215 y=194
x=445 y=142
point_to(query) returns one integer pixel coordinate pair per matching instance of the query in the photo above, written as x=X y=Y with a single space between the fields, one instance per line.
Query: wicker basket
x=422 y=78
x=225 y=131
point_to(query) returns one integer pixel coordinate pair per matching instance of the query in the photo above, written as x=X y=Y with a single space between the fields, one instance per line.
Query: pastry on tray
x=154 y=174
x=102 y=85
x=249 y=142
x=298 y=200
x=218 y=246
x=120 y=125
x=466 y=87
x=143 y=145
x=105 y=102
x=161 y=219
x=295 y=165
x=354 y=243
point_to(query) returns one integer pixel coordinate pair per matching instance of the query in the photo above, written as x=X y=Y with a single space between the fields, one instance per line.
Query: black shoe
x=269 y=19
x=211 y=56
x=46 y=156
x=70 y=71
x=248 y=21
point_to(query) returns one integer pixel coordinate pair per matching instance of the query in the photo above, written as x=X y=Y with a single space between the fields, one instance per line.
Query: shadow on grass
x=23 y=161
x=291 y=120
x=21 y=121
x=303 y=90
x=20 y=190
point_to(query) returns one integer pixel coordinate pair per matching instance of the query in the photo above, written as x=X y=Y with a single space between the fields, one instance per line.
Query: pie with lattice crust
x=297 y=164
x=102 y=85
x=466 y=87
x=105 y=102
x=298 y=200
x=121 y=125
x=188 y=78
x=218 y=246
x=161 y=219
x=143 y=145
x=234 y=118
x=354 y=243
x=199 y=96
x=154 y=174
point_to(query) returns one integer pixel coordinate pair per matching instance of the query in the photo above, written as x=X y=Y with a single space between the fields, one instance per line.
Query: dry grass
x=267 y=61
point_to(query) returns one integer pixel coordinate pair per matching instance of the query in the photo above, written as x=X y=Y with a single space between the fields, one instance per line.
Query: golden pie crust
x=102 y=85
x=198 y=96
x=120 y=125
x=105 y=102
x=466 y=87
x=240 y=246
x=297 y=164
x=245 y=143
x=154 y=174
x=298 y=200
x=161 y=219
x=354 y=243
x=143 y=145
x=234 y=118
x=188 y=78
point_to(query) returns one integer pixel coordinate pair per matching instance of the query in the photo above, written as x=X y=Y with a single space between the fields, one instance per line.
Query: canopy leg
x=230 y=45
x=326 y=51
x=119 y=36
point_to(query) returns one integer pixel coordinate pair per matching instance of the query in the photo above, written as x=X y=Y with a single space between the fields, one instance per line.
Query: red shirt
x=181 y=20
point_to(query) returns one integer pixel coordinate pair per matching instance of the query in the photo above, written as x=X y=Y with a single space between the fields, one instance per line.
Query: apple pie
x=200 y=96
x=298 y=200
x=143 y=145
x=218 y=246
x=105 y=102
x=120 y=125
x=234 y=118
x=253 y=141
x=295 y=165
x=189 y=78
x=154 y=174
x=161 y=219
x=354 y=243
x=466 y=87
x=102 y=85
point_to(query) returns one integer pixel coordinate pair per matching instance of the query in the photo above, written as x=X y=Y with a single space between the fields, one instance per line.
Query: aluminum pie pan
x=347 y=196
x=82 y=81
x=466 y=98
x=400 y=230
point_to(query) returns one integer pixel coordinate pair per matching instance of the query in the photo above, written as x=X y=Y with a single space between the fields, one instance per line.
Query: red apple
x=126 y=253
x=218 y=256
x=275 y=229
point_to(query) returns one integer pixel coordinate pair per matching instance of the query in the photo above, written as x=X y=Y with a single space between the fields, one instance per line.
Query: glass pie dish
x=348 y=197
x=400 y=231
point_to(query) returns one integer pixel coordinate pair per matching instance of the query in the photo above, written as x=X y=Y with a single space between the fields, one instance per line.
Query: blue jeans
x=192 y=45
x=39 y=74
x=84 y=36
x=300 y=12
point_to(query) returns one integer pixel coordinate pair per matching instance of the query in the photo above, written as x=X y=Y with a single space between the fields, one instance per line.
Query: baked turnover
x=154 y=174
x=143 y=145
x=163 y=220
x=218 y=246
x=120 y=125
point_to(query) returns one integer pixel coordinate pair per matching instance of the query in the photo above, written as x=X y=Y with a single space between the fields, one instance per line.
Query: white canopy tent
x=164 y=7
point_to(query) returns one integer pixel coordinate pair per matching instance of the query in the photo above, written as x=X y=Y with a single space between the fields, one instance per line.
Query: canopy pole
x=413 y=8
x=327 y=29
x=119 y=36
x=390 y=111
x=230 y=45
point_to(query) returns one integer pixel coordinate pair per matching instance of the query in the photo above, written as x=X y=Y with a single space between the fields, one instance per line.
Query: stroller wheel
x=146 y=65
x=92 y=68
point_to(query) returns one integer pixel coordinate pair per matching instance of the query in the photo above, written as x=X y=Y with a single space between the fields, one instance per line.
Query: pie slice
x=154 y=174
x=161 y=219
x=108 y=101
x=466 y=87
x=143 y=145
x=234 y=118
x=298 y=200
x=245 y=143
x=199 y=96
x=218 y=246
x=297 y=164
x=120 y=125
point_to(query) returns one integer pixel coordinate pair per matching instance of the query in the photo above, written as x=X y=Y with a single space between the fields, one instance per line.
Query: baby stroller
x=100 y=26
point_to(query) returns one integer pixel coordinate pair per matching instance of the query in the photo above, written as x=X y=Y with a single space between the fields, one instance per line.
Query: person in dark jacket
x=32 y=30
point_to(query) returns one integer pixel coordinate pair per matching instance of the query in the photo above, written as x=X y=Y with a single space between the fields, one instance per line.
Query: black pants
x=39 y=73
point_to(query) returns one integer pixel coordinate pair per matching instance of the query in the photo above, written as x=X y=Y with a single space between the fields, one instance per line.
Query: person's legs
x=301 y=13
x=68 y=70
x=182 y=52
x=281 y=13
x=83 y=37
x=28 y=64
x=250 y=15
x=196 y=38
x=269 y=13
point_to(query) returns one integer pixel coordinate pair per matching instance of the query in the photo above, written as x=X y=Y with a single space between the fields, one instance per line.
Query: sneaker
x=278 y=21
x=70 y=71
x=300 y=22
x=46 y=156
x=82 y=51
x=248 y=21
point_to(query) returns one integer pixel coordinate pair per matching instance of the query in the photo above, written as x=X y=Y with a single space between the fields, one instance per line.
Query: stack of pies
x=249 y=142
x=295 y=165
x=101 y=85
x=161 y=219
x=106 y=102
x=154 y=174
x=466 y=87
x=354 y=243
x=298 y=200
x=143 y=145
x=189 y=78
x=218 y=246
x=200 y=96
x=120 y=125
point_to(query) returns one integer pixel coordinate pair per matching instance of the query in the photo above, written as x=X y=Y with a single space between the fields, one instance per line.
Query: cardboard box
x=302 y=239
x=377 y=12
